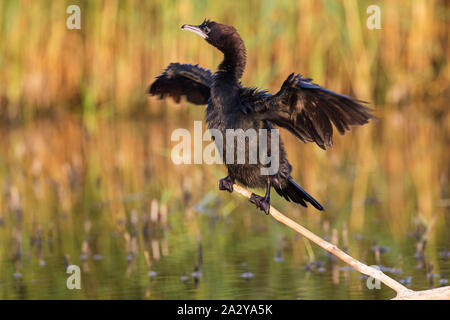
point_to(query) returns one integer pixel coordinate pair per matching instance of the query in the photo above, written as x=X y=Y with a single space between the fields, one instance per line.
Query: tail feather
x=293 y=192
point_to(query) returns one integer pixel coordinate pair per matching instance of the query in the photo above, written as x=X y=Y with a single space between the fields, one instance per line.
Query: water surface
x=105 y=195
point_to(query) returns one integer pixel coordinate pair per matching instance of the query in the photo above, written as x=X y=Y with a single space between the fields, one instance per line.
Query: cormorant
x=304 y=108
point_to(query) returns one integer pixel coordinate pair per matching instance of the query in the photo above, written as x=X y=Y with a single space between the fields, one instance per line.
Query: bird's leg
x=226 y=184
x=260 y=202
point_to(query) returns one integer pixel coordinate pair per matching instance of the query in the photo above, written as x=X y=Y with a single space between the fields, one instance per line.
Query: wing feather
x=183 y=80
x=308 y=110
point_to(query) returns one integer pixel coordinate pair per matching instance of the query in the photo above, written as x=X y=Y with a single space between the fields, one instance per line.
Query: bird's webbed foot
x=246 y=107
x=262 y=203
x=226 y=184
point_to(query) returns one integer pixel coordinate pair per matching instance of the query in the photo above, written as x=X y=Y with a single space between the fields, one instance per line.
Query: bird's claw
x=295 y=80
x=292 y=80
x=226 y=184
x=261 y=203
x=246 y=107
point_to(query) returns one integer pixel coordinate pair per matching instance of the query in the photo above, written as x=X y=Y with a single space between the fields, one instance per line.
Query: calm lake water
x=105 y=195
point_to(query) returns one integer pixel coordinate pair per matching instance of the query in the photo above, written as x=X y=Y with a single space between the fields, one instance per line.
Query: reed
x=122 y=45
x=69 y=150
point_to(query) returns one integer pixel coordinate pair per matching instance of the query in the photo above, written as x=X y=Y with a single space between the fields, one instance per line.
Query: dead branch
x=403 y=293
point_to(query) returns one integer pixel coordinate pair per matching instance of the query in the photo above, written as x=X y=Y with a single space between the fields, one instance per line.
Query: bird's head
x=219 y=35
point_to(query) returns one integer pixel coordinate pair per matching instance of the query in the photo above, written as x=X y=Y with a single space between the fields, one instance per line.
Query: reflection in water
x=105 y=196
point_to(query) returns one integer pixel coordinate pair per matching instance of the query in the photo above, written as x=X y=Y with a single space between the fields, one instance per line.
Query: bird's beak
x=195 y=29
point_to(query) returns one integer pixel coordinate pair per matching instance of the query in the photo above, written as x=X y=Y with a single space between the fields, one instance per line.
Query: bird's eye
x=206 y=29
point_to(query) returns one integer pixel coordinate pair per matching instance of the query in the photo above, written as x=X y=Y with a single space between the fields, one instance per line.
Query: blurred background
x=86 y=176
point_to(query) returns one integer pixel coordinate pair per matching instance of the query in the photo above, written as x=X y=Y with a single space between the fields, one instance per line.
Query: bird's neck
x=233 y=64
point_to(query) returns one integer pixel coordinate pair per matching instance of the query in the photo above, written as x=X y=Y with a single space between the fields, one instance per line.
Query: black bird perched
x=302 y=107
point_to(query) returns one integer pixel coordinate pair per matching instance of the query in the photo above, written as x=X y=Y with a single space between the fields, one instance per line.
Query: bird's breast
x=222 y=106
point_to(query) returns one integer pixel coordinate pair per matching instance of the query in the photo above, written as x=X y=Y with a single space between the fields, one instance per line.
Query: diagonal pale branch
x=402 y=291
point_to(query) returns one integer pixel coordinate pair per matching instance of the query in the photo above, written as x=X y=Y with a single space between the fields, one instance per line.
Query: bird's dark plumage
x=304 y=108
x=186 y=80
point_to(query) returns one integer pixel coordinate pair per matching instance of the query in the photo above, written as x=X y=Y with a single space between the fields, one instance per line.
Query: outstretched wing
x=192 y=82
x=307 y=110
